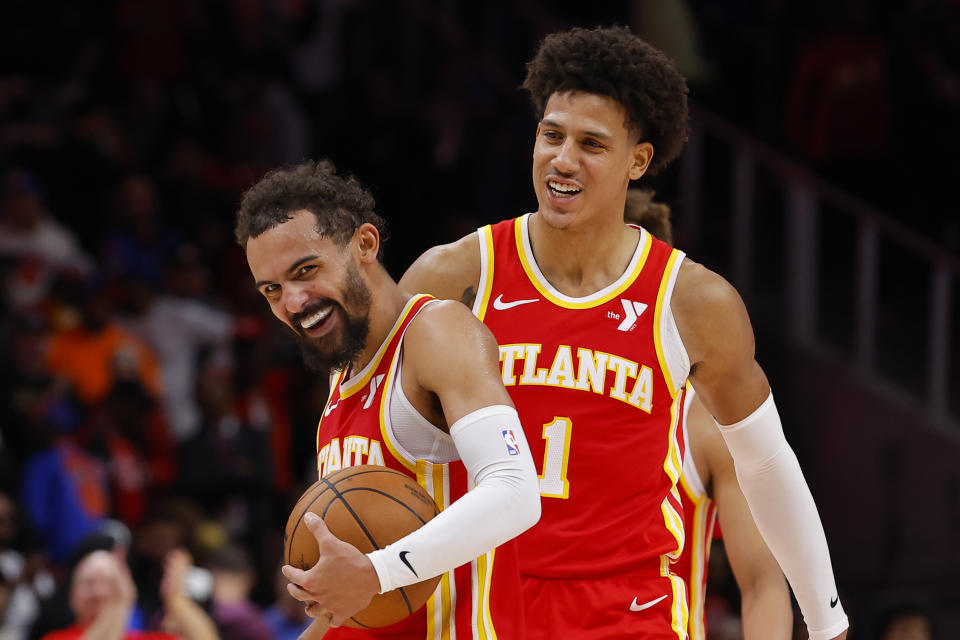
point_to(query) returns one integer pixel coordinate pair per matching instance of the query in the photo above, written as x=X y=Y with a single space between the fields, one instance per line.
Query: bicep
x=457 y=359
x=472 y=378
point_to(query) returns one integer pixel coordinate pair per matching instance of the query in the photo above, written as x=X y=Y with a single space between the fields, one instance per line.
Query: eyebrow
x=290 y=269
x=592 y=134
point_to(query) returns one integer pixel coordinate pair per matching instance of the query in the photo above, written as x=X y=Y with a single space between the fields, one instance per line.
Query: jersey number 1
x=556 y=455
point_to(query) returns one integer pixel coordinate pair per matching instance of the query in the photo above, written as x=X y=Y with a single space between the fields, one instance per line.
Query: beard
x=338 y=348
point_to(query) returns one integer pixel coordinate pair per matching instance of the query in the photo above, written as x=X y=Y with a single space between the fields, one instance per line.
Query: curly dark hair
x=340 y=203
x=640 y=208
x=613 y=62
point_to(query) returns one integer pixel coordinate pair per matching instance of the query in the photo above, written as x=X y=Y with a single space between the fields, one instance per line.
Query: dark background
x=137 y=124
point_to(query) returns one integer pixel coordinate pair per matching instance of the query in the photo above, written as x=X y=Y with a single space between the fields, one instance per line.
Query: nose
x=567 y=159
x=294 y=298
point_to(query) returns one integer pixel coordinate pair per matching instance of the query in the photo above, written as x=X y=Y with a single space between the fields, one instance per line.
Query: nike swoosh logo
x=833 y=602
x=403 y=559
x=500 y=305
x=646 y=605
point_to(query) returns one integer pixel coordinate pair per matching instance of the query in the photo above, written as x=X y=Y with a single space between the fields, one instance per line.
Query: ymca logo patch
x=632 y=311
x=513 y=447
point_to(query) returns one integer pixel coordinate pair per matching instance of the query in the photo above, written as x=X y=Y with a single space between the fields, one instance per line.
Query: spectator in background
x=182 y=615
x=163 y=530
x=66 y=494
x=226 y=466
x=102 y=599
x=187 y=335
x=31 y=401
x=138 y=244
x=237 y=617
x=34 y=246
x=100 y=591
x=129 y=433
x=95 y=353
x=23 y=574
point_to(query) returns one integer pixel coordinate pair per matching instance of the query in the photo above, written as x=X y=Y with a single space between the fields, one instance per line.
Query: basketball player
x=600 y=325
x=708 y=484
x=415 y=387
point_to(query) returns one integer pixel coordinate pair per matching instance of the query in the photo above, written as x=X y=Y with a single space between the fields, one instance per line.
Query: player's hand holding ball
x=341 y=583
x=331 y=528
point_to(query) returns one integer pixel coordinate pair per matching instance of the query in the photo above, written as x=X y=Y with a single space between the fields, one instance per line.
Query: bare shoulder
x=448 y=271
x=709 y=312
x=454 y=356
x=698 y=288
x=449 y=328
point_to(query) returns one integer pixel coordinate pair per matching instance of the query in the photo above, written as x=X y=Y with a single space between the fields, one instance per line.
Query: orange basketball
x=369 y=507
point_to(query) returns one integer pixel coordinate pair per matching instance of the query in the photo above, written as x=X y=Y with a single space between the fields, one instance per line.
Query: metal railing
x=801 y=290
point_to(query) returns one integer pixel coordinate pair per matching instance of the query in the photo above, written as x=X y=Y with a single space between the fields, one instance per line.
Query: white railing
x=805 y=196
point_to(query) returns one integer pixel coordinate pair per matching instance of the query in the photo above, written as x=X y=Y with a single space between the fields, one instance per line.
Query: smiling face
x=315 y=288
x=584 y=158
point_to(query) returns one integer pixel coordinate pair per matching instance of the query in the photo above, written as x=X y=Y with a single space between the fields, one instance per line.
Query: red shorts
x=651 y=607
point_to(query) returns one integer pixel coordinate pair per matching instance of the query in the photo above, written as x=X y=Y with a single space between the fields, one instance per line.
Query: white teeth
x=316 y=318
x=563 y=188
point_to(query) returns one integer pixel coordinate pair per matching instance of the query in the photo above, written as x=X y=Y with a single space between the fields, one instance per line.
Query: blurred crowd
x=150 y=406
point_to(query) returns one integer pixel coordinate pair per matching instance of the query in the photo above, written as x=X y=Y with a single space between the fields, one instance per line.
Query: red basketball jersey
x=478 y=600
x=699 y=519
x=601 y=412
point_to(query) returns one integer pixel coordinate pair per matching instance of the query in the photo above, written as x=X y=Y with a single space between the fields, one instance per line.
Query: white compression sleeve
x=786 y=515
x=504 y=503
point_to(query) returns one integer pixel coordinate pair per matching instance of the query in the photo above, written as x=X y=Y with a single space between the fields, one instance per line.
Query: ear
x=642 y=156
x=367 y=242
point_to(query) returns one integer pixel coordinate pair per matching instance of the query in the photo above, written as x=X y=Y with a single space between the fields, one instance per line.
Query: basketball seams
x=399 y=489
x=306 y=508
x=389 y=497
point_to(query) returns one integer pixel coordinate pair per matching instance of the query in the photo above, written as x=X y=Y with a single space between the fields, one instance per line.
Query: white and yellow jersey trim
x=549 y=292
x=691 y=483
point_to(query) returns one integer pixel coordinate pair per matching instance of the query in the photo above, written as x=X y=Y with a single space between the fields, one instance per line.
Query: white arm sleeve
x=786 y=515
x=504 y=503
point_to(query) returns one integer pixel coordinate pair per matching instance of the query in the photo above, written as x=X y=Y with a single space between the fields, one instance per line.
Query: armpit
x=469 y=296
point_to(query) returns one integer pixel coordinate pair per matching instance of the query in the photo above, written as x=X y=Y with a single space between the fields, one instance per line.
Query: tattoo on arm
x=468 y=296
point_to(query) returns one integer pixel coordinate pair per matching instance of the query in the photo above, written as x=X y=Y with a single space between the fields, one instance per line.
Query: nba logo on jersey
x=513 y=448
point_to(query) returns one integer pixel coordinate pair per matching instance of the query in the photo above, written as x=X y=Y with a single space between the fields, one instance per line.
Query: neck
x=581 y=260
x=387 y=301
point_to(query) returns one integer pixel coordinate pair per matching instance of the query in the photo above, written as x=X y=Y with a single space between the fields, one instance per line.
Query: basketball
x=369 y=507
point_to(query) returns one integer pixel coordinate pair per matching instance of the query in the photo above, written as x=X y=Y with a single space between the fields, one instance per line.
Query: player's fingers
x=300 y=593
x=294 y=575
x=317 y=527
x=333 y=620
x=314 y=609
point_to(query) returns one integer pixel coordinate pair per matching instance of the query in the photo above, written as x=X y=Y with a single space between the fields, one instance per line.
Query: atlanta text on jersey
x=589 y=373
x=355 y=450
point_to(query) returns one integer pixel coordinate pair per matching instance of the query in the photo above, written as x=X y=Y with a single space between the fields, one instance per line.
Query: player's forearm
x=504 y=503
x=766 y=613
x=786 y=516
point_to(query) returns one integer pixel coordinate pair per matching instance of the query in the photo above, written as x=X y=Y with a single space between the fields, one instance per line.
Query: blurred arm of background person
x=764 y=597
x=183 y=616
